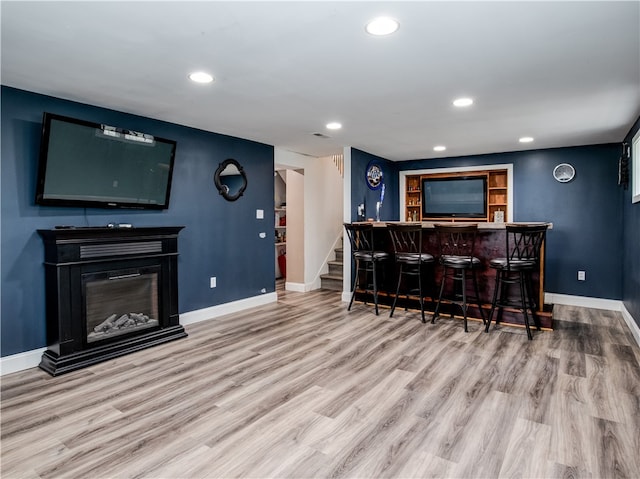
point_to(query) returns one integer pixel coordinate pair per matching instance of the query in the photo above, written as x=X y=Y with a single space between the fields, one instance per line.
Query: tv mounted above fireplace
x=87 y=164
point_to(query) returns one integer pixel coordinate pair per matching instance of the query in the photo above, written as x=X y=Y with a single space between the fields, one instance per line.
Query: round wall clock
x=564 y=172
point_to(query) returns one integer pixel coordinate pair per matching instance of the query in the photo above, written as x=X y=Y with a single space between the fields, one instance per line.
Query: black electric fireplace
x=110 y=291
x=122 y=301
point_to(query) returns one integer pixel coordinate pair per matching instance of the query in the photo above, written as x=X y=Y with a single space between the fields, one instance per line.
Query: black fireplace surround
x=109 y=292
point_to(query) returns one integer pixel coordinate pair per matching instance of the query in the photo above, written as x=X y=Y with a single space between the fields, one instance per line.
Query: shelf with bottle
x=280 y=218
x=414 y=214
x=413 y=184
x=413 y=198
x=498 y=196
x=281 y=237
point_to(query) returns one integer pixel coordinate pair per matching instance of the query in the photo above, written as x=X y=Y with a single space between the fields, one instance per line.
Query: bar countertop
x=481 y=226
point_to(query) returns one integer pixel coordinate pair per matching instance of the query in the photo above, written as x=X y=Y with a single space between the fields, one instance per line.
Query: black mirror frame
x=222 y=188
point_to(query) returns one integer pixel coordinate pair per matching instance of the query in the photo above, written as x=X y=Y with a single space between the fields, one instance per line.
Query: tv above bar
x=478 y=195
x=453 y=197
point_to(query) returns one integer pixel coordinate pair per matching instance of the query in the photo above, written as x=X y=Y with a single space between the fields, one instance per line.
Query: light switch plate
x=259 y=214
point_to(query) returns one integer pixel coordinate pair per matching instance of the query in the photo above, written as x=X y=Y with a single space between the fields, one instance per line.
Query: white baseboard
x=596 y=303
x=21 y=361
x=227 y=308
x=633 y=326
x=297 y=287
x=303 y=287
x=31 y=359
x=584 y=301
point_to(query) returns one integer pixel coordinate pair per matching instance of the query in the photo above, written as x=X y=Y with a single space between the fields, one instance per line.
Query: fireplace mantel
x=73 y=256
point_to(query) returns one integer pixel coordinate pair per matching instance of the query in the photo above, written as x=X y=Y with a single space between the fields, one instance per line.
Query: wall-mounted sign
x=374 y=175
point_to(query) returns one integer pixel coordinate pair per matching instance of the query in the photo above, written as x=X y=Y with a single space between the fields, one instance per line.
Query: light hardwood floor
x=303 y=389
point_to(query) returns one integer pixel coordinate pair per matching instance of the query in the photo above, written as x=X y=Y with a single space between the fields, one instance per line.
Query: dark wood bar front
x=490 y=243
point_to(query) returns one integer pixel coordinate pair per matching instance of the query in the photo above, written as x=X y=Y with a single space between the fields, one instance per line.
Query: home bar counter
x=490 y=243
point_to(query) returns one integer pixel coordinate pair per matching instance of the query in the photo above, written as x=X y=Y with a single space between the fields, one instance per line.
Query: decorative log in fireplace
x=109 y=292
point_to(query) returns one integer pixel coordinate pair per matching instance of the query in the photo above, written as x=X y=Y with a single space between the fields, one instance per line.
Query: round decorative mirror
x=230 y=179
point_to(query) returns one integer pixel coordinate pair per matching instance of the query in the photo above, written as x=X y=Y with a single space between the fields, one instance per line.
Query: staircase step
x=331 y=276
x=335 y=268
x=331 y=282
x=333 y=279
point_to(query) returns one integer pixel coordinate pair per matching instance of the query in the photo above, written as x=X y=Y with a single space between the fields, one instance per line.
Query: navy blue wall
x=220 y=239
x=360 y=191
x=586 y=213
x=631 y=248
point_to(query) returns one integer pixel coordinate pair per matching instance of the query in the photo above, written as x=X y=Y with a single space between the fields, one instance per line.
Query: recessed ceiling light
x=439 y=148
x=382 y=26
x=525 y=139
x=200 y=77
x=461 y=102
x=334 y=125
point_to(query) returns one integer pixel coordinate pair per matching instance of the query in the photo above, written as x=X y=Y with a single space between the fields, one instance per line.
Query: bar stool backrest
x=406 y=238
x=456 y=240
x=524 y=241
x=360 y=237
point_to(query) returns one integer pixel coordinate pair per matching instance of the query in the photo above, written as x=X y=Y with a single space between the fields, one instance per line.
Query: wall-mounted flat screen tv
x=463 y=197
x=87 y=164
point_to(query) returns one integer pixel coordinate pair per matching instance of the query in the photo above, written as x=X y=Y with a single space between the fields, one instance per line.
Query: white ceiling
x=566 y=73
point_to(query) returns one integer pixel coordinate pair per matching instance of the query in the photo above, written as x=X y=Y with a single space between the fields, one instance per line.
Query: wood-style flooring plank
x=303 y=388
x=527 y=451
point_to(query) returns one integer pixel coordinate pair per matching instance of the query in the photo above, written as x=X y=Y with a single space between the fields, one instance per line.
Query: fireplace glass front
x=120 y=302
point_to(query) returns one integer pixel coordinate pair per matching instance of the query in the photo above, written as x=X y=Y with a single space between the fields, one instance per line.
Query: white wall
x=346 y=218
x=295 y=227
x=323 y=210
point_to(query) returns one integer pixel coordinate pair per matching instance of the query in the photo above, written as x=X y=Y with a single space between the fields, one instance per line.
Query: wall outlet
x=581 y=275
x=212 y=282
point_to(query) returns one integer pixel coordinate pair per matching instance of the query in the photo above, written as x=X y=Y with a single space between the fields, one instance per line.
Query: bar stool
x=523 y=243
x=366 y=258
x=409 y=258
x=457 y=247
